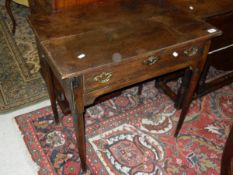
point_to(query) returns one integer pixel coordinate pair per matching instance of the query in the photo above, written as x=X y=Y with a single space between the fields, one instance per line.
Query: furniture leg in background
x=227 y=156
x=221 y=50
x=9 y=11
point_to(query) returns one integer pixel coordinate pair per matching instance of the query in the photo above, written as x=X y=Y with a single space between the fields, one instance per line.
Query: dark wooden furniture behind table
x=227 y=156
x=50 y=6
x=103 y=47
x=45 y=6
x=219 y=14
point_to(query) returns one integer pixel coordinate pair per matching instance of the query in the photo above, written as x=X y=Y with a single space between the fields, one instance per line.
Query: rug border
x=7 y=108
x=35 y=140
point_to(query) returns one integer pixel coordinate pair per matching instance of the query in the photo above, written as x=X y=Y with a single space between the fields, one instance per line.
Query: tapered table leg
x=79 y=122
x=9 y=11
x=188 y=99
x=48 y=77
x=80 y=135
x=196 y=72
x=52 y=94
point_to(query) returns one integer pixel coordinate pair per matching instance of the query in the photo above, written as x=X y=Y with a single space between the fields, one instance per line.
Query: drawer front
x=142 y=68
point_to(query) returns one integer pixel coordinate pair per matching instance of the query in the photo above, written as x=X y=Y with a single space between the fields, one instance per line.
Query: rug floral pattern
x=20 y=81
x=133 y=134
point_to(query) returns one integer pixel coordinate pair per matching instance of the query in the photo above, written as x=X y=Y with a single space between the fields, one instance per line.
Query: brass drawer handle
x=151 y=60
x=104 y=77
x=191 y=51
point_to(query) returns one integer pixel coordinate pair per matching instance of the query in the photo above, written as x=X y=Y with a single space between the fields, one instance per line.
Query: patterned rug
x=133 y=135
x=20 y=81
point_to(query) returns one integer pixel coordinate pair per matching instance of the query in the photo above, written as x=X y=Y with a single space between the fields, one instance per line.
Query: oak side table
x=103 y=47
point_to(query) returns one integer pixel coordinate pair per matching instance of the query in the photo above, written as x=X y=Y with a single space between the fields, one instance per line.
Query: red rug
x=134 y=135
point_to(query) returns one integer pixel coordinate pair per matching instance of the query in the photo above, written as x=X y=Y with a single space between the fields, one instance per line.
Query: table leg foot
x=180 y=122
x=84 y=168
x=81 y=141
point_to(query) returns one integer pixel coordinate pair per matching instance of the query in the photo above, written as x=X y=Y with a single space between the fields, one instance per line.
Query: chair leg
x=9 y=11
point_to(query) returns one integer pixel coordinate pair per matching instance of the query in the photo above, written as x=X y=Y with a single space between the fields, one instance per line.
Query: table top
x=205 y=8
x=80 y=40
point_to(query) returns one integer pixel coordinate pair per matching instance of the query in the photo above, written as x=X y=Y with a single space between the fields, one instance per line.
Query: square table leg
x=77 y=111
x=47 y=74
x=196 y=72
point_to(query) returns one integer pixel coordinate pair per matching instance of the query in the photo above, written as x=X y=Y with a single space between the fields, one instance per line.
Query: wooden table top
x=205 y=8
x=122 y=29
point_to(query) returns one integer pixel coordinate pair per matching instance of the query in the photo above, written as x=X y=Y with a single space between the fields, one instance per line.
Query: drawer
x=141 y=68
